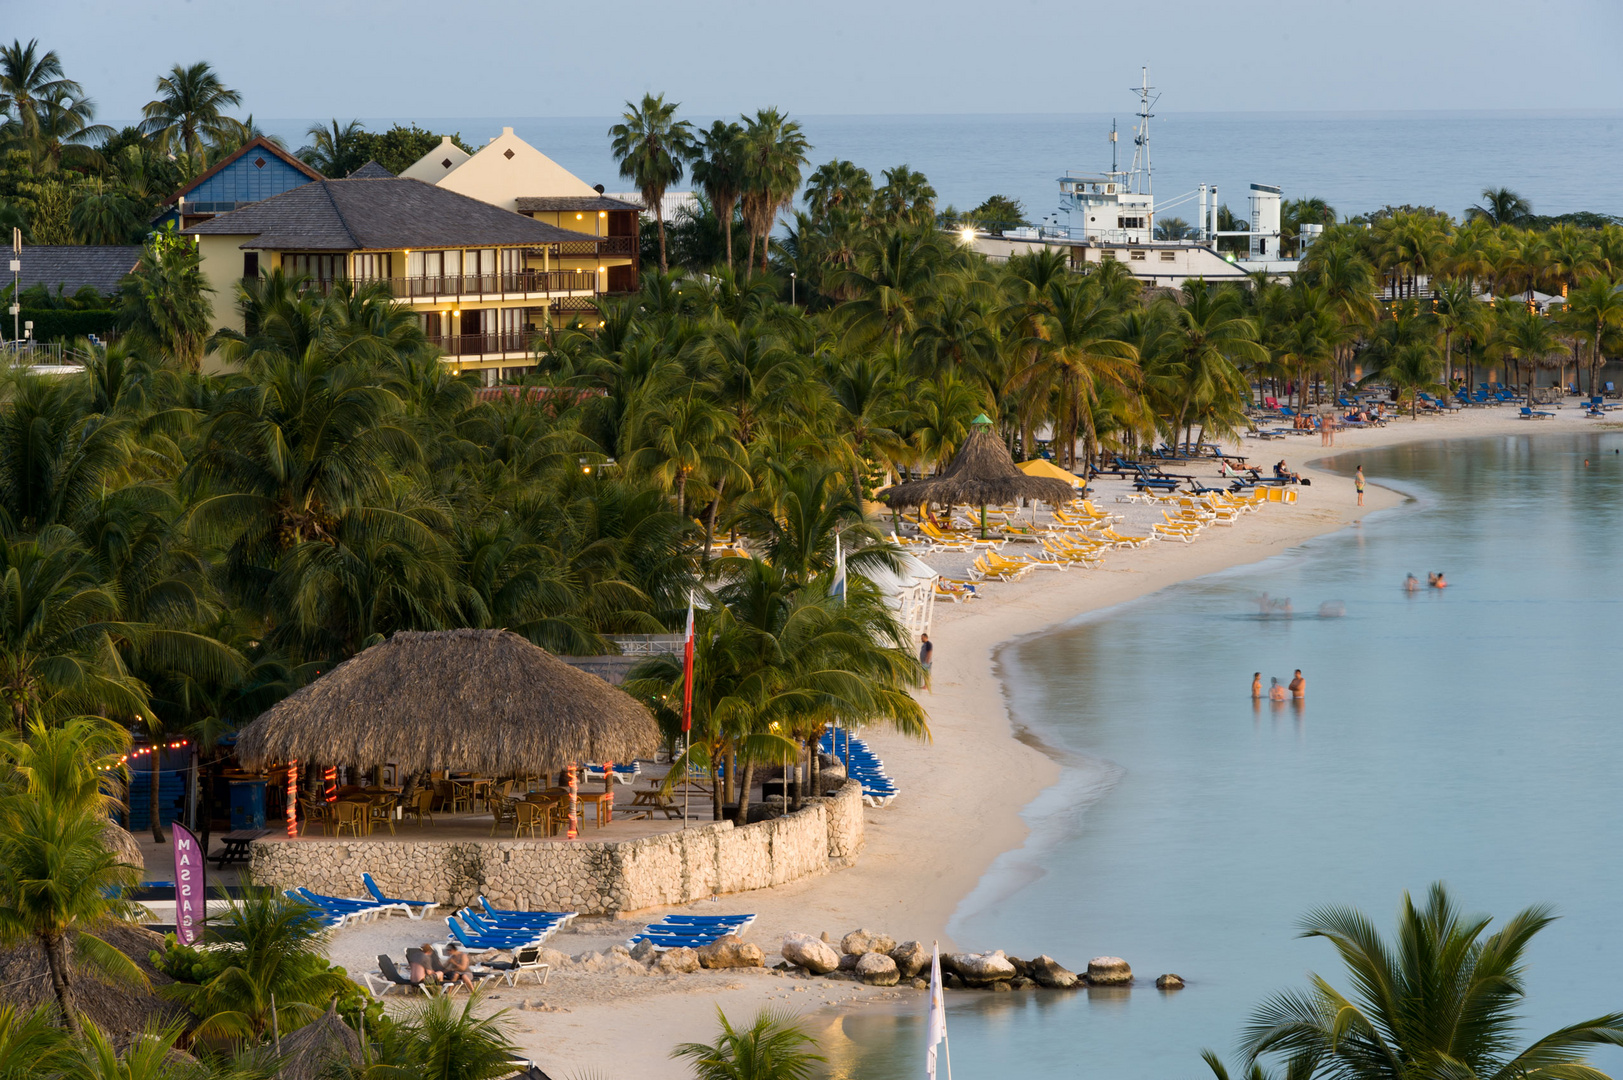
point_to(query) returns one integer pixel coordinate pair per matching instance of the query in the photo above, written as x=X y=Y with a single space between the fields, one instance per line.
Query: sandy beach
x=962 y=793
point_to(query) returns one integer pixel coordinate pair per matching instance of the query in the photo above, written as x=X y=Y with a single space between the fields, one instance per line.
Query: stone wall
x=592 y=877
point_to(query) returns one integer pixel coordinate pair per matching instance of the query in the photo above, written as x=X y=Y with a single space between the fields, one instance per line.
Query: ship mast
x=1140 y=179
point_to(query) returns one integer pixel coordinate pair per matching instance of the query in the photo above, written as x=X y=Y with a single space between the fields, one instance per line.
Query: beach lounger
x=504 y=941
x=388 y=977
x=414 y=909
x=525 y=959
x=1529 y=413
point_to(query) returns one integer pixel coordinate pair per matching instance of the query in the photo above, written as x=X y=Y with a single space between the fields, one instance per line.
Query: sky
x=540 y=58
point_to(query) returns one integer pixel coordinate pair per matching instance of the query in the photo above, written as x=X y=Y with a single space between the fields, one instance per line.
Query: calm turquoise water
x=1357 y=162
x=1470 y=736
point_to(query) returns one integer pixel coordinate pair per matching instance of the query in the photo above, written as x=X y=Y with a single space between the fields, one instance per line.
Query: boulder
x=1046 y=971
x=1169 y=982
x=1001 y=987
x=858 y=942
x=920 y=984
x=911 y=958
x=877 y=969
x=1109 y=971
x=980 y=969
x=729 y=952
x=644 y=950
x=826 y=938
x=848 y=962
x=1022 y=968
x=803 y=950
x=1020 y=982
x=951 y=981
x=680 y=961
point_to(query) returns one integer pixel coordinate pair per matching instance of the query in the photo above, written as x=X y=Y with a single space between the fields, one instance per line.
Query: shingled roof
x=378 y=215
x=73 y=267
x=555 y=204
x=371 y=171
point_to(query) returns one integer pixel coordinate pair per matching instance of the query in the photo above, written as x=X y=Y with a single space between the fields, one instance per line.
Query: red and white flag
x=687 y=673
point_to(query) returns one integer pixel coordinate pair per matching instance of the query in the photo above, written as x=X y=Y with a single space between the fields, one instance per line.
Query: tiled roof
x=371 y=171
x=553 y=204
x=383 y=214
x=73 y=267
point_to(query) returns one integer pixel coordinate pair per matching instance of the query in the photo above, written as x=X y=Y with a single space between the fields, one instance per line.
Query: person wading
x=926 y=657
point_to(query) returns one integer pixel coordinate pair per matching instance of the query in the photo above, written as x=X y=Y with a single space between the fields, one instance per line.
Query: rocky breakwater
x=879 y=960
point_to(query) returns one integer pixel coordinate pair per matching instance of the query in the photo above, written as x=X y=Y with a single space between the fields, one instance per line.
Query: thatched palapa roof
x=480 y=700
x=981 y=474
x=317 y=1048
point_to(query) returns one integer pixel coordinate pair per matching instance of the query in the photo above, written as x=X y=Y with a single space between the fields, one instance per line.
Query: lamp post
x=791 y=287
x=16 y=283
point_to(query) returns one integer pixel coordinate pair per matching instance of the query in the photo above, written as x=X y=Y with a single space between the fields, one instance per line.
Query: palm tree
x=773 y=1047
x=1593 y=309
x=29 y=1043
x=1079 y=356
x=333 y=149
x=58 y=881
x=774 y=153
x=149 y=1055
x=895 y=277
x=103 y=214
x=1528 y=338
x=164 y=300
x=30 y=81
x=444 y=1040
x=266 y=952
x=718 y=168
x=1457 y=313
x=190 y=107
x=1500 y=206
x=63 y=134
x=906 y=199
x=651 y=144
x=685 y=438
x=838 y=186
x=1439 y=1000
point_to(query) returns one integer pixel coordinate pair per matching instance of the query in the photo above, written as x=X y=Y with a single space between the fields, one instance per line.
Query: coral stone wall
x=592 y=877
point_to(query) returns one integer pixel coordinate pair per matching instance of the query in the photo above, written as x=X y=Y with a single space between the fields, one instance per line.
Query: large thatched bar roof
x=479 y=700
x=981 y=474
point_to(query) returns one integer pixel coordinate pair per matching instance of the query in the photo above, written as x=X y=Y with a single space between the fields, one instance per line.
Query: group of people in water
x=1297 y=688
x=1433 y=581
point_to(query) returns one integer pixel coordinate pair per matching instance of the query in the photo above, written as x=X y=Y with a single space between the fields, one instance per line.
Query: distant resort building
x=259 y=171
x=66 y=269
x=485 y=282
x=510 y=173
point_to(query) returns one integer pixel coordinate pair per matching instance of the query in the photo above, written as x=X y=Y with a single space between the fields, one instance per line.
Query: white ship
x=1111 y=217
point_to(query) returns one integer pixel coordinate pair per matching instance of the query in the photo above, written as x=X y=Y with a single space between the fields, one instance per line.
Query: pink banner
x=191 y=893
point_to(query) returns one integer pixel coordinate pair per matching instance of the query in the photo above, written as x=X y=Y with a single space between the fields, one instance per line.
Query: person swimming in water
x=1411 y=583
x=1298 y=686
x=1439 y=582
x=1276 y=692
x=1256 y=686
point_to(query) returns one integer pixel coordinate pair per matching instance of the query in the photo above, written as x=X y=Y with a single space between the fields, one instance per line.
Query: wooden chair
x=421 y=805
x=315 y=813
x=351 y=815
x=380 y=810
x=501 y=813
x=526 y=816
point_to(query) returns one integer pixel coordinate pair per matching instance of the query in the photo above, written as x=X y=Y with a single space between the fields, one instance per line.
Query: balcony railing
x=617 y=245
x=459 y=285
x=484 y=344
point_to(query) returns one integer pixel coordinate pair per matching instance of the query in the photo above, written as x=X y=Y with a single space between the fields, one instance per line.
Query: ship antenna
x=1143 y=182
x=1113 y=146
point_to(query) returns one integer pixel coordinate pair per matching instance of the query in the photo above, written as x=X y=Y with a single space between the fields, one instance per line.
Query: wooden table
x=647 y=803
x=466 y=789
x=236 y=846
x=603 y=800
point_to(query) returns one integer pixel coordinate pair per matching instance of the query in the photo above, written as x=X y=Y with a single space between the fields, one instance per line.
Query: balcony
x=515 y=285
x=508 y=346
x=623 y=246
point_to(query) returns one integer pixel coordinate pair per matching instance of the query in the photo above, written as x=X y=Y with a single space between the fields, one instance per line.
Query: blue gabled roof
x=260 y=170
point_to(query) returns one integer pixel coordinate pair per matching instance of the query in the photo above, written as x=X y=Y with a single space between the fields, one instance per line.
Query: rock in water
x=1046 y=971
x=677 y=961
x=1109 y=971
x=877 y=969
x=920 y=984
x=817 y=957
x=729 y=952
x=1020 y=982
x=980 y=969
x=643 y=950
x=1002 y=987
x=911 y=958
x=1169 y=982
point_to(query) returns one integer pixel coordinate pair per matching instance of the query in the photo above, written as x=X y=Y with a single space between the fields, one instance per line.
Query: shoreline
x=929 y=852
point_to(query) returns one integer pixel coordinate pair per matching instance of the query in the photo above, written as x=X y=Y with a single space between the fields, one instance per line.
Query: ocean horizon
x=1562 y=162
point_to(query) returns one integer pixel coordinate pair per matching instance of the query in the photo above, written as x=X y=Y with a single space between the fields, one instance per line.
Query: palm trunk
x=732 y=771
x=816 y=769
x=798 y=793
x=681 y=492
x=659 y=221
x=56 y=959
x=727 y=229
x=715 y=790
x=745 y=781
x=710 y=518
x=155 y=776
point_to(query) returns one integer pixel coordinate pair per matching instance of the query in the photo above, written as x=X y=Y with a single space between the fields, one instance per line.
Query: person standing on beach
x=926 y=658
x=1298 y=686
x=1358 y=482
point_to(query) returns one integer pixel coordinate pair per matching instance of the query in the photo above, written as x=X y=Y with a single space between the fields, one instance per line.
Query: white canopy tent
x=910 y=591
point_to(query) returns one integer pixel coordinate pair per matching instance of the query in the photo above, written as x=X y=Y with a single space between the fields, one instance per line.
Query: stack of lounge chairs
x=495 y=928
x=337 y=911
x=692 y=931
x=862 y=765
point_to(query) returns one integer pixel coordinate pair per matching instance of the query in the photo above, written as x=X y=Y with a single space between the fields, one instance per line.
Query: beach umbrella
x=1044 y=467
x=982 y=472
x=484 y=701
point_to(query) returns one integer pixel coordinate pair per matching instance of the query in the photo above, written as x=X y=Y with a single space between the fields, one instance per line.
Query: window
x=250 y=264
x=1262 y=246
x=1129 y=223
x=370 y=265
x=1139 y=256
x=1169 y=256
x=319 y=267
x=1107 y=255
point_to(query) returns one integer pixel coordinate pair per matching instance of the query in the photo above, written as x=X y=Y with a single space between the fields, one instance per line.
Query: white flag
x=937 y=1033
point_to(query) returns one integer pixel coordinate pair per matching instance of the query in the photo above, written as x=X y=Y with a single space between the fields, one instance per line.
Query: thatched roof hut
x=123 y=846
x=480 y=700
x=315 y=1049
x=118 y=1010
x=982 y=474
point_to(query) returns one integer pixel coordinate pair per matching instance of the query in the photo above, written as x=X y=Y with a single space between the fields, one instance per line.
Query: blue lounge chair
x=353 y=907
x=1534 y=414
x=505 y=942
x=415 y=909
